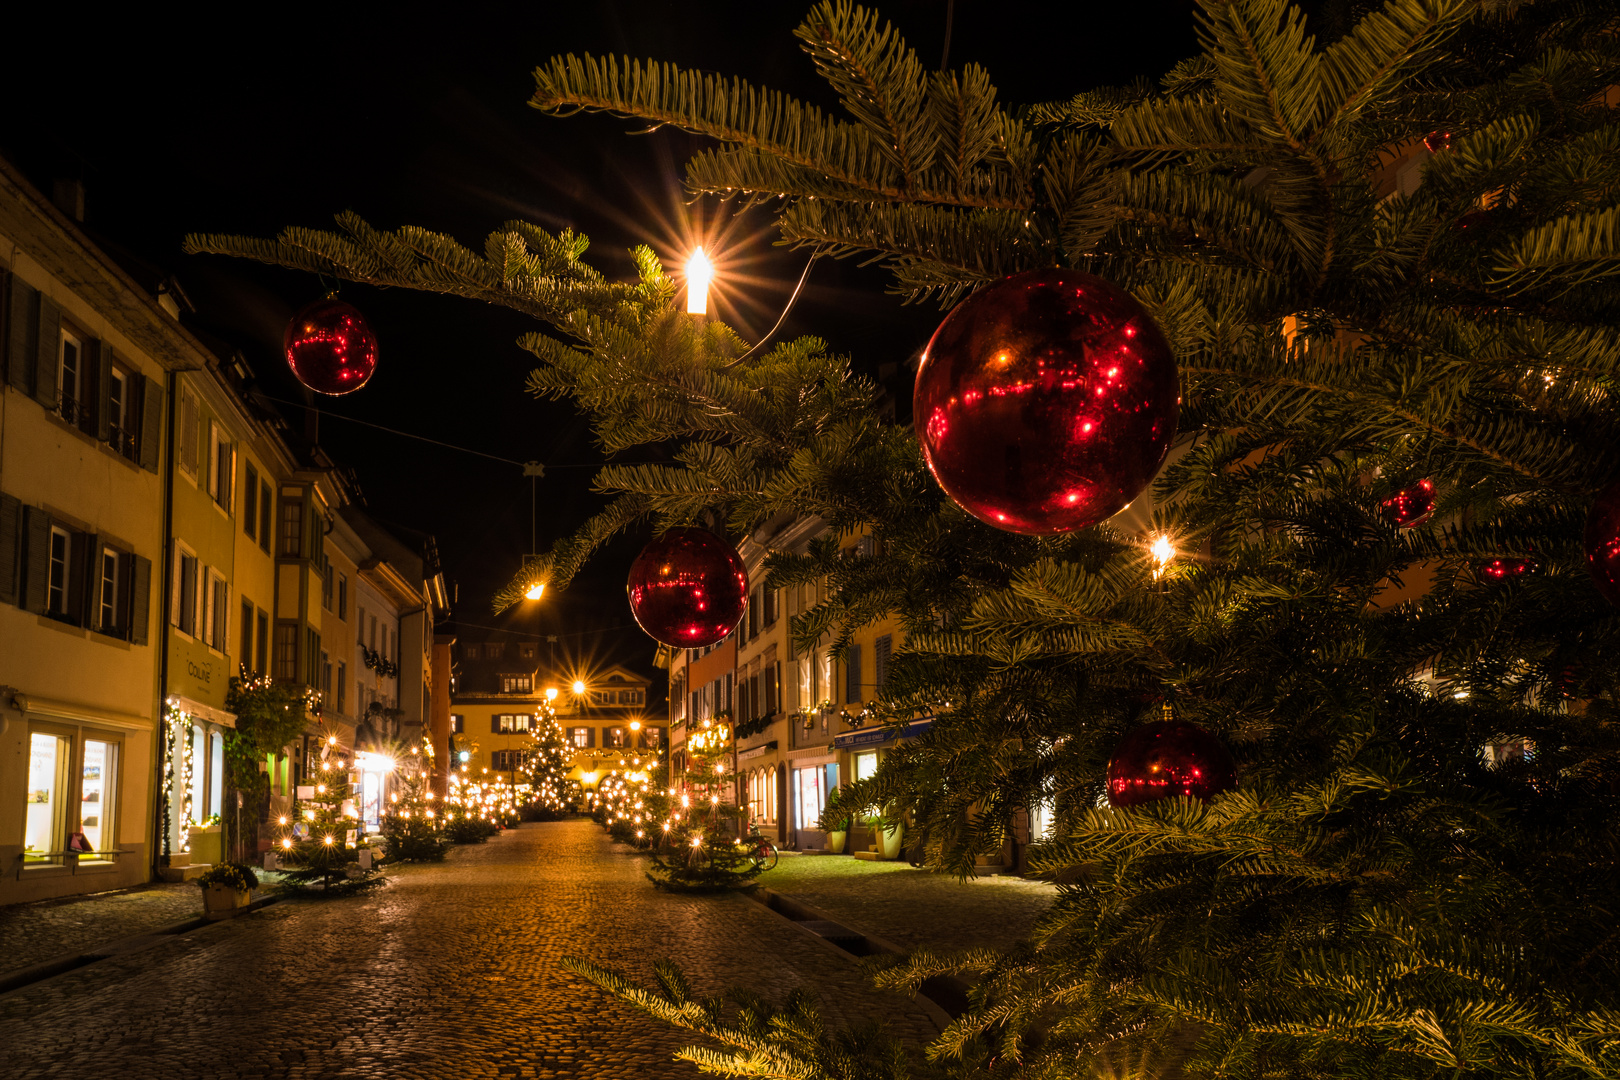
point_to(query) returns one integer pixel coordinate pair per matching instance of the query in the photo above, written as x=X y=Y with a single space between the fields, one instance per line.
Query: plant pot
x=888 y=841
x=835 y=842
x=222 y=901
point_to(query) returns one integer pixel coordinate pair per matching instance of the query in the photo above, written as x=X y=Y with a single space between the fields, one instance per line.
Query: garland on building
x=379 y=663
x=176 y=776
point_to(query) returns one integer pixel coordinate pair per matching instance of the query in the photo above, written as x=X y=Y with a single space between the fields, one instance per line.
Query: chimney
x=68 y=195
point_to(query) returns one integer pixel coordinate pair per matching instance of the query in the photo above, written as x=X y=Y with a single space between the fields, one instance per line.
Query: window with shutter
x=186 y=432
x=266 y=502
x=292 y=528
x=59 y=596
x=250 y=502
x=47 y=345
x=261 y=658
x=880 y=660
x=22 y=328
x=852 y=676
x=140 y=599
x=246 y=640
x=184 y=612
x=286 y=658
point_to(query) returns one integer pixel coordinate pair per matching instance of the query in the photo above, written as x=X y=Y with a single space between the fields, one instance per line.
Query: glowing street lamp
x=699 y=272
x=579 y=686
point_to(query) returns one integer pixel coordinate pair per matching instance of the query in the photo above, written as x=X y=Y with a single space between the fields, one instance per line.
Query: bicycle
x=761 y=852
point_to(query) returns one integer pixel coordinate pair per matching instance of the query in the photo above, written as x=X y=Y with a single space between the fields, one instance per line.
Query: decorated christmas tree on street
x=546 y=765
x=699 y=850
x=1338 y=315
x=319 y=850
x=413 y=820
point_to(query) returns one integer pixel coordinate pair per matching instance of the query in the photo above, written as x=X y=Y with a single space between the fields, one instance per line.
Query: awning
x=34 y=705
x=877 y=736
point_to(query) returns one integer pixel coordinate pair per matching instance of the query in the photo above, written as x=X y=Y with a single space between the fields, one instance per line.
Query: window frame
x=517 y=683
x=60 y=584
x=70 y=406
x=69 y=816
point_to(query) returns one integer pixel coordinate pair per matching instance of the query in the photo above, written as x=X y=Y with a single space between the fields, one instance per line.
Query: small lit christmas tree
x=700 y=851
x=318 y=846
x=546 y=764
x=413 y=824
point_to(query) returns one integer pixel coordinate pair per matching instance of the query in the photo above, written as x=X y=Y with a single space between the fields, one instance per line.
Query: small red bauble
x=1436 y=141
x=1493 y=570
x=1168 y=758
x=1602 y=543
x=1046 y=402
x=1411 y=507
x=330 y=348
x=688 y=588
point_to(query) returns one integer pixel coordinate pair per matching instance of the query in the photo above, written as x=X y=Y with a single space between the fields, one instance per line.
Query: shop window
x=199 y=773
x=216 y=773
x=866 y=766
x=44 y=832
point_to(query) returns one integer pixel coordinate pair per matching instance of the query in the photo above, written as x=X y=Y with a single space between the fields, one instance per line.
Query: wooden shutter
x=36 y=574
x=91 y=543
x=266 y=515
x=186 y=432
x=495 y=725
x=140 y=600
x=151 y=422
x=92 y=389
x=101 y=363
x=22 y=326
x=10 y=547
x=880 y=659
x=47 y=352
x=852 y=675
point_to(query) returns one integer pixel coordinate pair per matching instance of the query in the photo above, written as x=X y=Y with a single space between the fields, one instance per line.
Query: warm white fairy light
x=699 y=273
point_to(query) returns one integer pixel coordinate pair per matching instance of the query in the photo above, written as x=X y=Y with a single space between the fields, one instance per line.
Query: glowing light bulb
x=1162 y=551
x=536 y=591
x=579 y=686
x=551 y=693
x=699 y=272
x=327 y=840
x=286 y=841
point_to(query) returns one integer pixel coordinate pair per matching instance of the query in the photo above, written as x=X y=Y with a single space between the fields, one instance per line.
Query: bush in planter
x=238 y=876
x=469 y=830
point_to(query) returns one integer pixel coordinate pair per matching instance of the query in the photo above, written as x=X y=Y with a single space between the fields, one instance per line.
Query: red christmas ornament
x=1436 y=141
x=1046 y=402
x=1412 y=507
x=688 y=588
x=1602 y=543
x=1494 y=570
x=330 y=348
x=1170 y=757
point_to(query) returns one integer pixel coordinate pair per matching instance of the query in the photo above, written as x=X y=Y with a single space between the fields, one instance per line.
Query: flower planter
x=888 y=841
x=223 y=902
x=835 y=842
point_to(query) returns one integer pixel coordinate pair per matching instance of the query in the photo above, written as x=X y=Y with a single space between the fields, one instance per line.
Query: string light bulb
x=1162 y=551
x=699 y=273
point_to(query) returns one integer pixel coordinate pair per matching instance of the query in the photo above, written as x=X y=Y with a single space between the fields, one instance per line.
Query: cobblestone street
x=451 y=970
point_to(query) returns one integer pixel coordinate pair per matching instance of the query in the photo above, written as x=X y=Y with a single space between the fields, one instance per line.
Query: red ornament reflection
x=1436 y=141
x=1046 y=402
x=1601 y=543
x=1493 y=570
x=1412 y=507
x=330 y=348
x=1169 y=758
x=688 y=588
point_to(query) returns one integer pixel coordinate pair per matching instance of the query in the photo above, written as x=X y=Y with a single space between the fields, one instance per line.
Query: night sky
x=180 y=123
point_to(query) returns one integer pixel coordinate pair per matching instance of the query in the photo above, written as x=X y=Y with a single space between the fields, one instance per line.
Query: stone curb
x=944 y=997
x=13 y=981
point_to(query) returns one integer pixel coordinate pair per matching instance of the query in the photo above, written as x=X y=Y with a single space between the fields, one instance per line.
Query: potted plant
x=835 y=819
x=226 y=889
x=888 y=831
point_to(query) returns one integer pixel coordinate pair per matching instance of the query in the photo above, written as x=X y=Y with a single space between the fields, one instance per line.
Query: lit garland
x=177 y=748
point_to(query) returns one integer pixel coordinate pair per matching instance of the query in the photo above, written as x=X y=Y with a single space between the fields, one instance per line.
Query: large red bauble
x=688 y=588
x=1412 y=507
x=1602 y=543
x=330 y=348
x=1167 y=758
x=1046 y=402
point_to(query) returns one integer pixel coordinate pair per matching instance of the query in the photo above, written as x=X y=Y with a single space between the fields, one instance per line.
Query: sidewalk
x=34 y=933
x=914 y=908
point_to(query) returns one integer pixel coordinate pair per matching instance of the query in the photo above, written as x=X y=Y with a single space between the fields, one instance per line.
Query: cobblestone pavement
x=451 y=970
x=32 y=933
x=884 y=898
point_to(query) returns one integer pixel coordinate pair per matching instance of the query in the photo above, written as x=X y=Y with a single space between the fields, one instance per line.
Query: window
x=374 y=633
x=880 y=660
x=261 y=659
x=342 y=685
x=615 y=737
x=507 y=760
x=326 y=675
x=583 y=738
x=507 y=724
x=246 y=640
x=221 y=466
x=469 y=652
x=47 y=797
x=60 y=588
x=97 y=796
x=866 y=766
x=217 y=624
x=326 y=584
x=852 y=675
x=266 y=501
x=458 y=723
x=69 y=376
x=385 y=653
x=292 y=528
x=184 y=614
x=343 y=596
x=526 y=651
x=312 y=650
x=517 y=684
x=122 y=411
x=773 y=605
x=287 y=651
x=652 y=738
x=250 y=504
x=216 y=773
